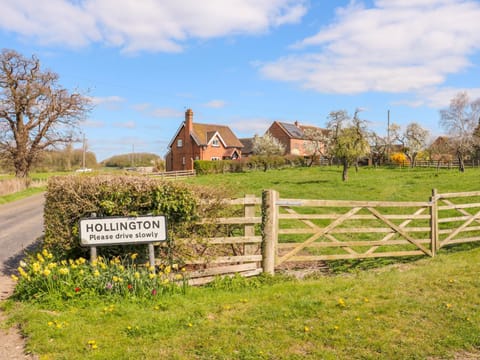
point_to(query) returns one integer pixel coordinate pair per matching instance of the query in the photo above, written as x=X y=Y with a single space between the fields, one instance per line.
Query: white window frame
x=179 y=143
x=216 y=142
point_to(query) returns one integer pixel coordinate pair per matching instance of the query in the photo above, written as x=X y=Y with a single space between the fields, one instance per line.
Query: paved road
x=21 y=225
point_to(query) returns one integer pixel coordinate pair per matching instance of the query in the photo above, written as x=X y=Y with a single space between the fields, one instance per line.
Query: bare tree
x=36 y=113
x=317 y=143
x=378 y=147
x=413 y=139
x=460 y=121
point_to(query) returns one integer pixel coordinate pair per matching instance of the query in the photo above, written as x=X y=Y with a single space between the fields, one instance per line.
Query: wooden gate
x=315 y=230
x=457 y=218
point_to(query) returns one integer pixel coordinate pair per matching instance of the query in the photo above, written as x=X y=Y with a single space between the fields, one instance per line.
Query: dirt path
x=12 y=344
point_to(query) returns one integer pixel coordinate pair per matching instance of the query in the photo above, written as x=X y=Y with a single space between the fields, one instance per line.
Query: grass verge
x=424 y=309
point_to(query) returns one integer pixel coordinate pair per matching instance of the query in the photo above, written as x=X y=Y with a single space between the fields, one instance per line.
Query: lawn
x=396 y=184
x=426 y=308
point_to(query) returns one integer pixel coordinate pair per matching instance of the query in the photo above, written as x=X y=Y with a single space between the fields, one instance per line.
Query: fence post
x=249 y=230
x=434 y=222
x=270 y=230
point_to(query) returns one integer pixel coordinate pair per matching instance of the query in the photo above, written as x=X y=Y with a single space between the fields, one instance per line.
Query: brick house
x=194 y=141
x=293 y=137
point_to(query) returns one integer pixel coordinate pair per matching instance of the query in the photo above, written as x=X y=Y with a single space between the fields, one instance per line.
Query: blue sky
x=247 y=63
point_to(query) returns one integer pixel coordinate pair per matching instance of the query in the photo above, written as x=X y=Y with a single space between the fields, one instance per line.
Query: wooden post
x=151 y=256
x=249 y=211
x=93 y=249
x=270 y=230
x=434 y=222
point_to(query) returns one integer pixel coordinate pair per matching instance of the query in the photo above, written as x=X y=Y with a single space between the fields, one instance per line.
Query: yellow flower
x=133 y=256
x=36 y=267
x=63 y=262
x=190 y=324
x=341 y=302
x=449 y=306
x=357 y=319
x=52 y=265
x=96 y=273
x=40 y=258
x=50 y=323
x=63 y=271
x=151 y=268
x=80 y=261
x=137 y=275
x=46 y=272
x=81 y=272
x=167 y=269
x=151 y=276
x=115 y=278
x=121 y=267
x=14 y=278
x=175 y=266
x=306 y=329
x=366 y=300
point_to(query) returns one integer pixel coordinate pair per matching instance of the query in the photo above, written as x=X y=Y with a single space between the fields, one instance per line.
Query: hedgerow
x=71 y=198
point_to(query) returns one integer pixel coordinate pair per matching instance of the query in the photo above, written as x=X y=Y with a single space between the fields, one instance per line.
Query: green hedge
x=70 y=198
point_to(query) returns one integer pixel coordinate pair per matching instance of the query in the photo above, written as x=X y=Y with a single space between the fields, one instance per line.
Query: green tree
x=349 y=139
x=36 y=113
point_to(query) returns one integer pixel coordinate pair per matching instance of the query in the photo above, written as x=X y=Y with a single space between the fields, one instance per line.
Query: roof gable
x=204 y=133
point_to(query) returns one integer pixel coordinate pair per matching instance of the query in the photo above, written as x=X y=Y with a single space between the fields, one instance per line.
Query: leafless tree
x=36 y=113
x=317 y=143
x=413 y=139
x=460 y=121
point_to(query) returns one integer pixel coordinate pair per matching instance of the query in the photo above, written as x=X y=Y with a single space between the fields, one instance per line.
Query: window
x=215 y=158
x=179 y=143
x=215 y=143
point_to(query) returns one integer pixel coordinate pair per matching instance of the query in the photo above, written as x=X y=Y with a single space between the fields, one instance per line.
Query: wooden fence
x=278 y=231
x=245 y=254
x=174 y=174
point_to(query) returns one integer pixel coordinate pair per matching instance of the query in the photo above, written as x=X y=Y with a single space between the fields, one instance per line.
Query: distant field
x=400 y=184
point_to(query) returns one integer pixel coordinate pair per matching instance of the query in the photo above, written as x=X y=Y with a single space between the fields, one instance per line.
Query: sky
x=247 y=63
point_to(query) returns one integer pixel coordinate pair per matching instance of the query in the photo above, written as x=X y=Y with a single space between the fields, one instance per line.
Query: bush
x=71 y=198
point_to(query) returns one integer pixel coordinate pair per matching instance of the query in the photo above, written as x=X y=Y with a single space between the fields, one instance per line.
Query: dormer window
x=215 y=143
x=179 y=143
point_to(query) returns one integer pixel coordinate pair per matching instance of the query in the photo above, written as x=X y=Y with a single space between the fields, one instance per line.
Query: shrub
x=70 y=198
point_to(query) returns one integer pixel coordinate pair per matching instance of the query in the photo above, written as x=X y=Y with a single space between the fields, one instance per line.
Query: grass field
x=368 y=184
x=425 y=309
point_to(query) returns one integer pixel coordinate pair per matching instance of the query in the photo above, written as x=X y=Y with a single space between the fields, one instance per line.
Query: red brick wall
x=277 y=132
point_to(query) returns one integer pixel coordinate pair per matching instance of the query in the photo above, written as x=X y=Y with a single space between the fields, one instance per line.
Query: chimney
x=296 y=123
x=188 y=121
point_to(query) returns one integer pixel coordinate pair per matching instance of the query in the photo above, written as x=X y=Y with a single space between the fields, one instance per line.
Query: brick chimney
x=188 y=121
x=296 y=123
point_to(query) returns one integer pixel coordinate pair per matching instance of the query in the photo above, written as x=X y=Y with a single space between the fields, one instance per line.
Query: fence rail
x=174 y=174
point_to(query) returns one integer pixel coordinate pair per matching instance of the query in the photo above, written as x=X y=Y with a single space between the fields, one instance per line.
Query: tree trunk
x=461 y=163
x=345 y=171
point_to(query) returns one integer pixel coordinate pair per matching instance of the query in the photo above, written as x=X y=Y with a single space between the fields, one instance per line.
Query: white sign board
x=122 y=230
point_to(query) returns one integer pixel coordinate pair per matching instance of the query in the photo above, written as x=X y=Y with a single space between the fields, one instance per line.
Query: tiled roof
x=204 y=132
x=247 y=145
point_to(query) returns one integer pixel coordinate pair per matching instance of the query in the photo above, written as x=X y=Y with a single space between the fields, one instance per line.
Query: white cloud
x=251 y=126
x=93 y=124
x=166 y=113
x=216 y=104
x=151 y=25
x=396 y=46
x=126 y=124
x=106 y=100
